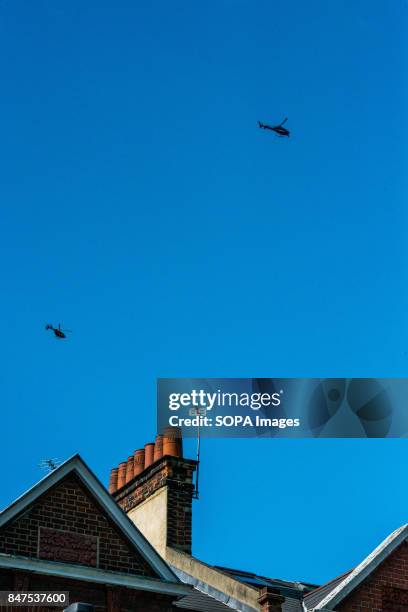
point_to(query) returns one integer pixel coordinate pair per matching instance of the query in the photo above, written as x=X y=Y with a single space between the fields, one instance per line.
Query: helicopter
x=58 y=332
x=278 y=129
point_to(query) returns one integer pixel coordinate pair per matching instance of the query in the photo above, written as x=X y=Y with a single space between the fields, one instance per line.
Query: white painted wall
x=151 y=518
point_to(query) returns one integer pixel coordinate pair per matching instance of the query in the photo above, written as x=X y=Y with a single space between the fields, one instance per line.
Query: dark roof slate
x=313 y=598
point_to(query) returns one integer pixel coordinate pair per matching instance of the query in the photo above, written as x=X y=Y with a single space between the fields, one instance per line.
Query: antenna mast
x=199 y=412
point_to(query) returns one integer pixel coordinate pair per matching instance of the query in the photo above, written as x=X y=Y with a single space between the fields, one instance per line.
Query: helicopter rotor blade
x=66 y=330
x=284 y=121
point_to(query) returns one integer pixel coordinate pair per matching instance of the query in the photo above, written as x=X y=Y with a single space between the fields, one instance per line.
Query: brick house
x=130 y=549
x=155 y=488
x=67 y=533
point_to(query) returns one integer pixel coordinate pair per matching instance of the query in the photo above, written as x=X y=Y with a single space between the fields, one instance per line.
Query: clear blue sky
x=142 y=208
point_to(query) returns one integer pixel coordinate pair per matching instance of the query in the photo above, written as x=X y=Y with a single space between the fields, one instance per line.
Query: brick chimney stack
x=270 y=600
x=158 y=498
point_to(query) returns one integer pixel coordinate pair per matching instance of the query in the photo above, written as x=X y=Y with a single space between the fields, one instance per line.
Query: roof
x=213 y=597
x=202 y=602
x=304 y=597
x=228 y=588
x=313 y=598
x=128 y=529
x=293 y=592
x=331 y=594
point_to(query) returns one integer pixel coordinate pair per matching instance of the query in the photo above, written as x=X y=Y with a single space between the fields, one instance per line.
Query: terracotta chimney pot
x=113 y=480
x=158 y=448
x=149 y=454
x=172 y=442
x=139 y=458
x=122 y=474
x=129 y=468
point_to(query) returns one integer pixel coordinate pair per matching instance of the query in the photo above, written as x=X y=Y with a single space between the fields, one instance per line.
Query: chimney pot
x=129 y=468
x=149 y=454
x=139 y=458
x=172 y=442
x=169 y=483
x=158 y=448
x=122 y=474
x=113 y=480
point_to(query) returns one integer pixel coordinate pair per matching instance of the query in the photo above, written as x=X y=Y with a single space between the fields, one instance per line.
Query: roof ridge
x=326 y=584
x=365 y=568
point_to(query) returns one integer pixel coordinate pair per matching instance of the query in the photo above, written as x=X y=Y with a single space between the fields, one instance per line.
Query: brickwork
x=179 y=517
x=270 y=600
x=176 y=474
x=386 y=590
x=68 y=508
x=105 y=599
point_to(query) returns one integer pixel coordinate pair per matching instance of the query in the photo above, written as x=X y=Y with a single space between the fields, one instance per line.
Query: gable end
x=66 y=524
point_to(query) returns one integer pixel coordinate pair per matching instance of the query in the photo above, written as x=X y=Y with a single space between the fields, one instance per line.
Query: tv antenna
x=49 y=465
x=199 y=412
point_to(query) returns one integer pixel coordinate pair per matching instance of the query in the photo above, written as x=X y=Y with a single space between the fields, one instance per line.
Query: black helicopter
x=59 y=333
x=278 y=129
